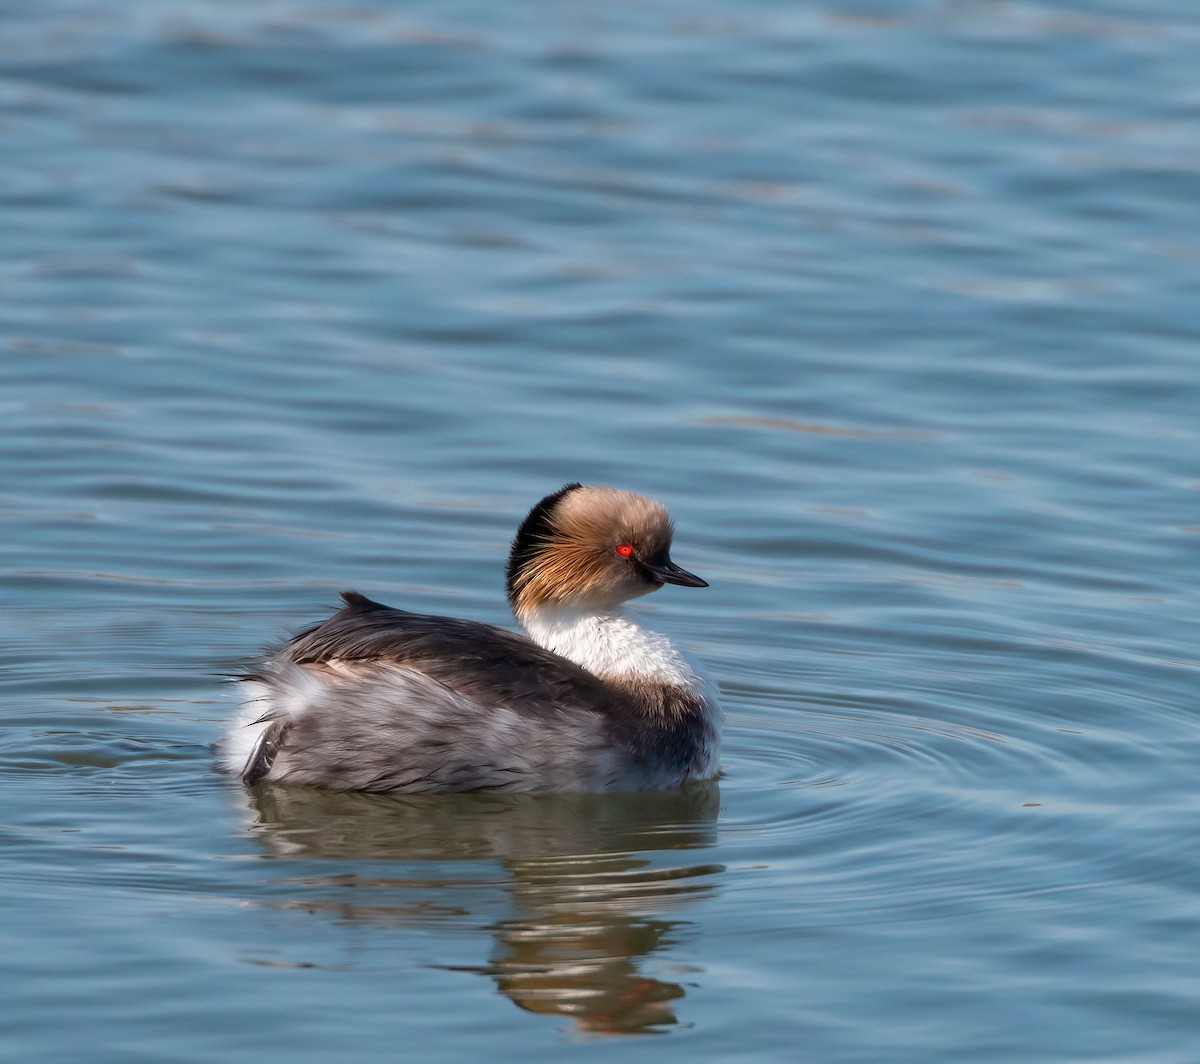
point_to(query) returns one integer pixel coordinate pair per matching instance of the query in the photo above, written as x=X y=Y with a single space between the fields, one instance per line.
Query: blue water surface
x=893 y=304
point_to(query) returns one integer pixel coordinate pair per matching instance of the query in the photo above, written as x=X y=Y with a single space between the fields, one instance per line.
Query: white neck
x=611 y=646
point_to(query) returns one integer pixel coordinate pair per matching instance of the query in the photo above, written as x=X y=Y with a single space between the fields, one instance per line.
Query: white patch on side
x=247 y=729
x=288 y=695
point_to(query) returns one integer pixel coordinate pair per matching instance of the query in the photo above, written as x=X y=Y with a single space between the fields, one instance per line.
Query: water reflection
x=578 y=891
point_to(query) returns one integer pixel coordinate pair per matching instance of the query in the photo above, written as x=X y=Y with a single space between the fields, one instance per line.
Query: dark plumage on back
x=475 y=659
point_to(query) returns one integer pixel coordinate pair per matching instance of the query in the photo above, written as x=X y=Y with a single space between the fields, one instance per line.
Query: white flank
x=287 y=696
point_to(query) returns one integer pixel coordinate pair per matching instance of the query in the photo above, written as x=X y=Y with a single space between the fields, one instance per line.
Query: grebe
x=380 y=699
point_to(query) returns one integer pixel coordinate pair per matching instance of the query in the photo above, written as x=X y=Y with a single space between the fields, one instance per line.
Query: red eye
x=625 y=550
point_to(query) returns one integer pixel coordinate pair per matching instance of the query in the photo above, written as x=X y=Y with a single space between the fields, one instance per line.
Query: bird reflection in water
x=589 y=889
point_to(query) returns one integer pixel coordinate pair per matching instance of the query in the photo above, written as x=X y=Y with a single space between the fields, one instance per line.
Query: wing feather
x=478 y=661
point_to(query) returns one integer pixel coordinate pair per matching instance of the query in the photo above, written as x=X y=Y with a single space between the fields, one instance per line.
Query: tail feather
x=262 y=757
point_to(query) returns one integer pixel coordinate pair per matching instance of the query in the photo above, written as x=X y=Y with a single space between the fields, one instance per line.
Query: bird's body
x=380 y=699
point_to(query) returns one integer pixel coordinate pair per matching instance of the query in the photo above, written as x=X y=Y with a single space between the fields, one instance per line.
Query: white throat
x=611 y=646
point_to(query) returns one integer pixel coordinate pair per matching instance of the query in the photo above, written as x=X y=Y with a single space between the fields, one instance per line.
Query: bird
x=379 y=699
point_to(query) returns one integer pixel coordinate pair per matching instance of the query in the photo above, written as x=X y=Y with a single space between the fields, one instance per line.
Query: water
x=893 y=304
